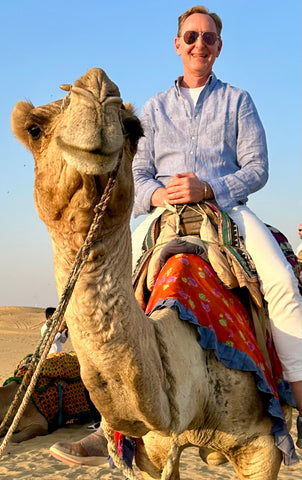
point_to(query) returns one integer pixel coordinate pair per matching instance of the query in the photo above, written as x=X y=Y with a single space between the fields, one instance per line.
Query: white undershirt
x=192 y=94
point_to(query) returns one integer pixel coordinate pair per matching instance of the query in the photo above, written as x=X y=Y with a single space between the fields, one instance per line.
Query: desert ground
x=19 y=335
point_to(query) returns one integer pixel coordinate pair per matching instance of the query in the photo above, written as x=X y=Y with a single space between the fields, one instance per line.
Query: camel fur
x=147 y=376
x=32 y=423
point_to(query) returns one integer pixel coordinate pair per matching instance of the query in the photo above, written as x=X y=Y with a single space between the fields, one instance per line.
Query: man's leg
x=280 y=289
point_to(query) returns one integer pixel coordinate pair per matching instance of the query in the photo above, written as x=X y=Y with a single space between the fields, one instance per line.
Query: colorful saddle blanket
x=228 y=253
x=190 y=285
x=59 y=393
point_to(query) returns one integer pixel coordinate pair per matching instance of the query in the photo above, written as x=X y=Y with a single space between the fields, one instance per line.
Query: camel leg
x=260 y=460
x=151 y=456
x=29 y=432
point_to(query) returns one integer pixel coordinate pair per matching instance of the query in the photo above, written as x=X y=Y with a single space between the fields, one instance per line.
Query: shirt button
x=193 y=138
x=191 y=153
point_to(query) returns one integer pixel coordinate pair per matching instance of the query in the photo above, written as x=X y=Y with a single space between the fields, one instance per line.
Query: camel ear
x=132 y=125
x=19 y=118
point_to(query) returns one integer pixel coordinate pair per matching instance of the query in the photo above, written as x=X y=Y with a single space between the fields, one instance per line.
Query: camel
x=45 y=412
x=140 y=391
x=32 y=423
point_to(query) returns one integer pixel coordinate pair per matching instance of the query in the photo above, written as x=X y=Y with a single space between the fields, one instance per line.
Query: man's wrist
x=205 y=190
x=158 y=197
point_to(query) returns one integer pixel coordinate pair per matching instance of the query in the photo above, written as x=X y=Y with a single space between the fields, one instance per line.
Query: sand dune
x=20 y=332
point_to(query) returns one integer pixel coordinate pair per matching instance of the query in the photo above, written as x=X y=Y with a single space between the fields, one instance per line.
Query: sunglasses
x=191 y=36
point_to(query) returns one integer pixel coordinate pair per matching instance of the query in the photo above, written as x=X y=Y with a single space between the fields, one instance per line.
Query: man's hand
x=183 y=188
x=186 y=188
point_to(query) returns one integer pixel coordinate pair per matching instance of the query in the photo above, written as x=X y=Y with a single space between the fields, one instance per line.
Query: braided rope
x=171 y=459
x=113 y=452
x=34 y=374
x=44 y=346
x=174 y=449
x=34 y=369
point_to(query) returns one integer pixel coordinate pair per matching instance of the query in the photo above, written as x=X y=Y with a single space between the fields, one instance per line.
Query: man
x=299 y=248
x=204 y=140
x=60 y=337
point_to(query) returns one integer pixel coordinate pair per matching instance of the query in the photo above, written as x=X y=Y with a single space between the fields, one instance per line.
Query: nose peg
x=66 y=87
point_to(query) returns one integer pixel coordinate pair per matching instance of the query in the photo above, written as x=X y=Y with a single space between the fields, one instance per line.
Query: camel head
x=76 y=143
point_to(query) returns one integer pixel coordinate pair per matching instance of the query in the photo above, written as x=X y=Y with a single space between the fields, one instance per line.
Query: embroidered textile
x=59 y=392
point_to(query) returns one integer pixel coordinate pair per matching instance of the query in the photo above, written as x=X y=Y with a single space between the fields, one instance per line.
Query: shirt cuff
x=142 y=203
x=222 y=194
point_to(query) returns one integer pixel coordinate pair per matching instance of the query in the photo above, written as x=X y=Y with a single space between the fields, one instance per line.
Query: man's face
x=300 y=230
x=199 y=57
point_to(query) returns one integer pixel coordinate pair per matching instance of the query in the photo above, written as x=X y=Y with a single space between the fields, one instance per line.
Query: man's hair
x=199 y=9
x=49 y=311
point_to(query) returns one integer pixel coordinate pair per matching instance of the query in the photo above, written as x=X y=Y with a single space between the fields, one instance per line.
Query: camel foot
x=216 y=458
x=90 y=451
x=211 y=457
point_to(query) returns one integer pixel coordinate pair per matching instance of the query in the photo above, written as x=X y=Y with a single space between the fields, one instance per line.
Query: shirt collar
x=211 y=80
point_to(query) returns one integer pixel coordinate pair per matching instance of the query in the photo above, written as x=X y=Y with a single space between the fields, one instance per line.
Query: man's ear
x=177 y=45
x=219 y=48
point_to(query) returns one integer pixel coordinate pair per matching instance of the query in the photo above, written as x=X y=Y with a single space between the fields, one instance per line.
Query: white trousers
x=279 y=287
x=139 y=234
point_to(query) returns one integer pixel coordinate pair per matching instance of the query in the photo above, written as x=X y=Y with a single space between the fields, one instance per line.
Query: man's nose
x=199 y=41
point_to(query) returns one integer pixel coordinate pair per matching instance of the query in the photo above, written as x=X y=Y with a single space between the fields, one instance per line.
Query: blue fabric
x=127 y=454
x=60 y=418
x=222 y=141
x=235 y=359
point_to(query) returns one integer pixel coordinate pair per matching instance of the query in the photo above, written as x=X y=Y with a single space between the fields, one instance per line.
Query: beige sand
x=19 y=335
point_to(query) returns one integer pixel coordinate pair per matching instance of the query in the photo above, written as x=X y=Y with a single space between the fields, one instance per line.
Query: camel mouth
x=76 y=150
x=91 y=162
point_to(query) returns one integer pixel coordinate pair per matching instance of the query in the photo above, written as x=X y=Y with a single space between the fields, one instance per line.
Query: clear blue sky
x=45 y=44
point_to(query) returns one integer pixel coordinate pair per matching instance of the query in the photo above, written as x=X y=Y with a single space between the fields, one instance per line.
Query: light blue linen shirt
x=222 y=141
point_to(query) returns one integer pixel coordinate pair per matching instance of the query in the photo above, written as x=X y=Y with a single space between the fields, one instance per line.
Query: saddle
x=216 y=234
x=59 y=393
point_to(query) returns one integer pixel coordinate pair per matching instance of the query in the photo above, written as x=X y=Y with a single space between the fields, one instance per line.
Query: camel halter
x=35 y=366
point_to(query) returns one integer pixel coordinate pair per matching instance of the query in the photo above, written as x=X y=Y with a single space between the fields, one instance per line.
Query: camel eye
x=34 y=131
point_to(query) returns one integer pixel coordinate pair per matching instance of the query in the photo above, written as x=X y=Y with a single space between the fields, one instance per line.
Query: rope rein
x=35 y=366
x=113 y=452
